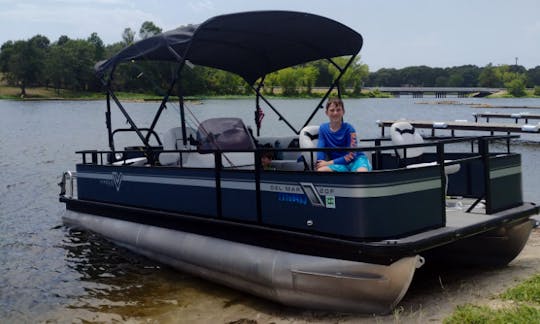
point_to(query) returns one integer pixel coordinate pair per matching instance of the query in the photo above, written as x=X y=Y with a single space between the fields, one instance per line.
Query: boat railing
x=482 y=154
x=67 y=184
x=482 y=144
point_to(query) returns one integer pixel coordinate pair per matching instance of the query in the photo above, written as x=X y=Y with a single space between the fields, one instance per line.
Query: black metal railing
x=482 y=154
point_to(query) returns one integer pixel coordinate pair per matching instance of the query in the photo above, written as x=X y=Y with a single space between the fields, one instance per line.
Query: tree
x=533 y=77
x=128 y=36
x=70 y=64
x=6 y=51
x=148 y=29
x=99 y=47
x=22 y=61
x=516 y=87
x=308 y=77
x=288 y=80
x=62 y=40
x=455 y=80
x=385 y=78
x=353 y=77
x=514 y=81
x=441 y=81
x=490 y=77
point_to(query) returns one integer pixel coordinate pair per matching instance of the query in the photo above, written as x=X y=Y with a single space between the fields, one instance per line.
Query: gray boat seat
x=403 y=133
x=172 y=141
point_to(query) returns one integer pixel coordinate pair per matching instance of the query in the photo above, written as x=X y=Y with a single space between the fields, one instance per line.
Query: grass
x=527 y=291
x=525 y=307
x=529 y=93
x=483 y=314
x=42 y=93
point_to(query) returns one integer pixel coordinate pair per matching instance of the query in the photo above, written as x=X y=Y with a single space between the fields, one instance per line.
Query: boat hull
x=289 y=278
x=494 y=248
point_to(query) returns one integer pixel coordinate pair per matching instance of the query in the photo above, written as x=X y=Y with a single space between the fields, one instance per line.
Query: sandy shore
x=433 y=295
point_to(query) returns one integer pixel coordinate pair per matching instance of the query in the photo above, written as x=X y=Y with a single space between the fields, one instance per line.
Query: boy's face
x=265 y=160
x=335 y=113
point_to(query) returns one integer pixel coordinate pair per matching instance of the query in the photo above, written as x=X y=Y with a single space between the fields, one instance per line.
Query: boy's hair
x=267 y=154
x=336 y=101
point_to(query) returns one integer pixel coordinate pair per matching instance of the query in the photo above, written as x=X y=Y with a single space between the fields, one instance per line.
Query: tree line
x=69 y=64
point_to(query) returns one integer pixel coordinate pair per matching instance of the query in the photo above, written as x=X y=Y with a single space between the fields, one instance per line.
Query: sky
x=397 y=33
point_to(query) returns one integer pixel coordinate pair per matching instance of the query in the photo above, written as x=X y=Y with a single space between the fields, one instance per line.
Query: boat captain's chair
x=172 y=141
x=309 y=138
x=403 y=133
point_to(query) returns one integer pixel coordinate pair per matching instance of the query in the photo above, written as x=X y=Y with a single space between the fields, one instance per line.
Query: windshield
x=224 y=134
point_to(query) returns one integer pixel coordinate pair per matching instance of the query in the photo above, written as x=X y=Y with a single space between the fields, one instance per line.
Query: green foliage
x=354 y=76
x=536 y=90
x=516 y=87
x=68 y=64
x=128 y=36
x=533 y=77
x=462 y=76
x=22 y=61
x=527 y=291
x=289 y=81
x=515 y=82
x=490 y=77
x=148 y=29
x=485 y=315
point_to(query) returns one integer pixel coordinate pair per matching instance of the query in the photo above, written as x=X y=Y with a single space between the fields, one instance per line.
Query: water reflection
x=118 y=285
x=114 y=280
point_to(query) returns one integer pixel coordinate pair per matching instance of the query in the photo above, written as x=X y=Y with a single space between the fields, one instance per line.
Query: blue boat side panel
x=505 y=178
x=360 y=205
x=172 y=189
x=238 y=195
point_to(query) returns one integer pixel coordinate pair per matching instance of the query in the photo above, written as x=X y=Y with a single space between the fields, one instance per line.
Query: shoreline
x=48 y=94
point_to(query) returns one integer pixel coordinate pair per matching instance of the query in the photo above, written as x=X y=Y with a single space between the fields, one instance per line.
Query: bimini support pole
x=182 y=62
x=259 y=95
x=258 y=111
x=111 y=95
x=182 y=114
x=108 y=122
x=163 y=104
x=334 y=84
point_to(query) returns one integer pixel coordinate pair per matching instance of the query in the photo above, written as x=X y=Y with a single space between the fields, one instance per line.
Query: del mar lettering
x=286 y=188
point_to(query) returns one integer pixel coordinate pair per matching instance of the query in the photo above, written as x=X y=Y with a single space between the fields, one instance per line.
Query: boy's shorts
x=360 y=162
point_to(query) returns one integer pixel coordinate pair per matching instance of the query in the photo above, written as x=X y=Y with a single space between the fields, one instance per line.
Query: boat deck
x=460 y=223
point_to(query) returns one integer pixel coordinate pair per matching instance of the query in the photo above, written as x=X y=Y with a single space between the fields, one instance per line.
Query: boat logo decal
x=117 y=180
x=301 y=194
x=312 y=194
x=292 y=198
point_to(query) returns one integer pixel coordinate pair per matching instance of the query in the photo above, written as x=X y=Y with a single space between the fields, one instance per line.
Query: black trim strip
x=379 y=252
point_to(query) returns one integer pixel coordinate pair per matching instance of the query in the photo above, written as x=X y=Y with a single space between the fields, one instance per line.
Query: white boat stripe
x=505 y=172
x=349 y=191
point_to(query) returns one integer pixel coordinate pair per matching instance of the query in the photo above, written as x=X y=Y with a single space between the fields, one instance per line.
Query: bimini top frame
x=249 y=44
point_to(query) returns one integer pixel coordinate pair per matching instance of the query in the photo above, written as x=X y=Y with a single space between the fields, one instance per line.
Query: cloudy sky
x=397 y=33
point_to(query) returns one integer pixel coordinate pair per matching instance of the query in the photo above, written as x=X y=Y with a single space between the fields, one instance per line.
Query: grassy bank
x=520 y=304
x=42 y=93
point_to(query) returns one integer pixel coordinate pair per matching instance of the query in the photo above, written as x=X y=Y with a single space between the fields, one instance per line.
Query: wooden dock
x=516 y=116
x=464 y=126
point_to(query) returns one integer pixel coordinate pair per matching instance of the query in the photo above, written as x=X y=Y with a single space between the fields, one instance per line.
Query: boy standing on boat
x=339 y=134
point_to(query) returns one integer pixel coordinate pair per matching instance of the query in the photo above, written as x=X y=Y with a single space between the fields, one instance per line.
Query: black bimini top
x=250 y=44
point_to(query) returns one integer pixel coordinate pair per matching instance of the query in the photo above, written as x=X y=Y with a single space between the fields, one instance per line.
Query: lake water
x=51 y=273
